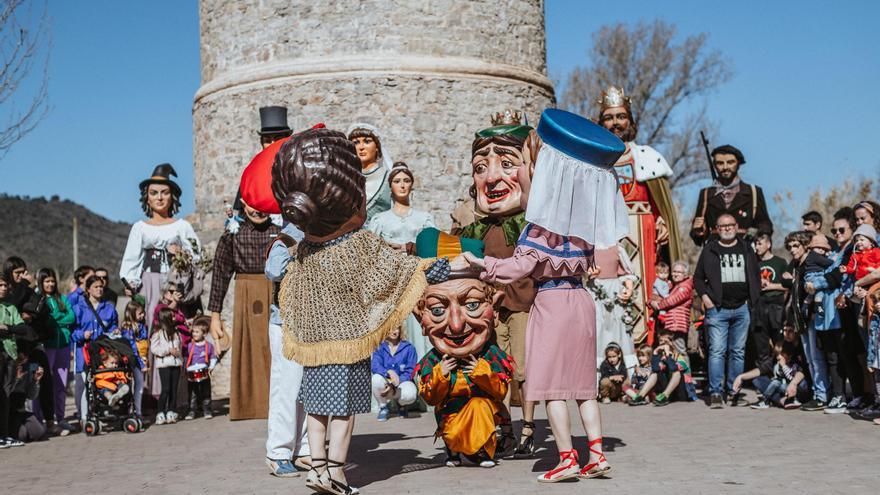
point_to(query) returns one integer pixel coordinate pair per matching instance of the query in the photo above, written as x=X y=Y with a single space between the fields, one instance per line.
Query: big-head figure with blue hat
x=644 y=182
x=573 y=206
x=465 y=375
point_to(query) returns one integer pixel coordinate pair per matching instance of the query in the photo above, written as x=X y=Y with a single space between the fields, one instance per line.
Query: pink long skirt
x=561 y=346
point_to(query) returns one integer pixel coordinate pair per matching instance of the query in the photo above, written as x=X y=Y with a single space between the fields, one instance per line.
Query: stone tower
x=427 y=74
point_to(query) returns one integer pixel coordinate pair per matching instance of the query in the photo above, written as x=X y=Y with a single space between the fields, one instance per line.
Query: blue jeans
x=816 y=362
x=728 y=330
x=774 y=390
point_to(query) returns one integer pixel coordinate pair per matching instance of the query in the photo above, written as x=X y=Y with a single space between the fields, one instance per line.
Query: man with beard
x=728 y=281
x=497 y=154
x=643 y=175
x=730 y=195
x=464 y=376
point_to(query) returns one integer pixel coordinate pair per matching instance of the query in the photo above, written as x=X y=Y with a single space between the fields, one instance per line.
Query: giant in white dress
x=146 y=260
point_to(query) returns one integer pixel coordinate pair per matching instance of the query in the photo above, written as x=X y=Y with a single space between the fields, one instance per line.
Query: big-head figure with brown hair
x=465 y=375
x=345 y=289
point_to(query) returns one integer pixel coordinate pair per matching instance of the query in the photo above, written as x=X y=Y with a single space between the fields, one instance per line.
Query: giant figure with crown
x=643 y=175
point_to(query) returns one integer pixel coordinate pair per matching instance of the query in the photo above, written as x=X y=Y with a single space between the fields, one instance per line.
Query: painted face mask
x=458 y=316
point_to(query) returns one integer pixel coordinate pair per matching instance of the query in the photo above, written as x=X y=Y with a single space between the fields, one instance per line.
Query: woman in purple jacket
x=392 y=367
x=93 y=318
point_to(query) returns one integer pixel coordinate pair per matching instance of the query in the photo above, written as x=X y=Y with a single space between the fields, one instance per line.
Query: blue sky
x=802 y=105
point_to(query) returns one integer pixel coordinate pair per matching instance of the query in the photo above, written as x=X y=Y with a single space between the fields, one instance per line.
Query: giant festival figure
x=643 y=175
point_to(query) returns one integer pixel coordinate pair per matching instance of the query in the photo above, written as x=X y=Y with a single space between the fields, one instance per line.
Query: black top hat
x=273 y=120
x=162 y=175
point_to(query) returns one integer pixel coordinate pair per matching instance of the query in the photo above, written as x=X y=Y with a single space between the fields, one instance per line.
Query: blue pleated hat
x=580 y=138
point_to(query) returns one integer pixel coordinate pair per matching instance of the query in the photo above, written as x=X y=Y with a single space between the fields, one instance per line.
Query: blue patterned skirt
x=336 y=389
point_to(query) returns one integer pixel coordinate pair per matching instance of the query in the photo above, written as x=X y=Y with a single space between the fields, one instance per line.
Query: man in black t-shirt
x=728 y=281
x=767 y=316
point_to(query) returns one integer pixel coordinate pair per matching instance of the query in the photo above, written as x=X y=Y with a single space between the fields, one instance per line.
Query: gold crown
x=507 y=117
x=613 y=97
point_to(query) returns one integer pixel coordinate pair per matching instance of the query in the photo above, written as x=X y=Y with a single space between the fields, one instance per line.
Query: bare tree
x=24 y=44
x=825 y=201
x=664 y=79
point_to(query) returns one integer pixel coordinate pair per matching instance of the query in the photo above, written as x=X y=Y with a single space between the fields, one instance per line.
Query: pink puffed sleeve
x=509 y=270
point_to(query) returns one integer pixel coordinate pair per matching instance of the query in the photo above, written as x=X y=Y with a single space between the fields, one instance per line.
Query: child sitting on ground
x=392 y=367
x=787 y=379
x=673 y=373
x=113 y=385
x=200 y=357
x=642 y=378
x=612 y=374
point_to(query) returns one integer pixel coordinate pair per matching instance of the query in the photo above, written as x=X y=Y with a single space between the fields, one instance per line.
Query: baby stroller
x=99 y=412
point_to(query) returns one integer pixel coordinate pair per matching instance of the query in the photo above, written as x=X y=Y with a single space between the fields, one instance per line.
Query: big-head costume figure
x=465 y=376
x=643 y=175
x=497 y=153
x=343 y=292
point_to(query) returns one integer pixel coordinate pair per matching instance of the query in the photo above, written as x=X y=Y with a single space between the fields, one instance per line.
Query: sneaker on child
x=813 y=405
x=160 y=418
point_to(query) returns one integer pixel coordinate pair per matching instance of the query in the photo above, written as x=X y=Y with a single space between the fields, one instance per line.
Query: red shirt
x=863 y=262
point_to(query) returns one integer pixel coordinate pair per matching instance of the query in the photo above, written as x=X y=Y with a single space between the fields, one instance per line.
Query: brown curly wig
x=317 y=181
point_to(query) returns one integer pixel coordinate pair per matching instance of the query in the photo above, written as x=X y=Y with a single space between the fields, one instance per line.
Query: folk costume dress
x=467 y=407
x=242 y=255
x=338 y=301
x=561 y=333
x=614 y=270
x=146 y=261
x=574 y=205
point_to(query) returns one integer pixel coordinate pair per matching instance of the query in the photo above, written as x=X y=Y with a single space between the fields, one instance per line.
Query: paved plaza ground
x=681 y=448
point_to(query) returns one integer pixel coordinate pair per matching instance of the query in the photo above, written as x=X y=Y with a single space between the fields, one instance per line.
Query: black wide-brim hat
x=162 y=175
x=273 y=120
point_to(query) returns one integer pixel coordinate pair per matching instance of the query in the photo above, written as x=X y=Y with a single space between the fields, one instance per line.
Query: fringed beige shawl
x=339 y=303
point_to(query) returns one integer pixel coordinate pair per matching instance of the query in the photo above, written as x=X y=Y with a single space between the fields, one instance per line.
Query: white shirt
x=397 y=229
x=144 y=236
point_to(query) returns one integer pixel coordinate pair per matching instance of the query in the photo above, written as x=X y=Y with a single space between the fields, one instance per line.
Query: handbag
x=97 y=317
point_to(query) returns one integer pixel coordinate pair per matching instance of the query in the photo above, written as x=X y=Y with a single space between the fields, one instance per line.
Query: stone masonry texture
x=428 y=74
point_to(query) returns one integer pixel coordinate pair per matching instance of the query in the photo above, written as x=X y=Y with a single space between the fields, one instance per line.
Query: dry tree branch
x=665 y=79
x=24 y=45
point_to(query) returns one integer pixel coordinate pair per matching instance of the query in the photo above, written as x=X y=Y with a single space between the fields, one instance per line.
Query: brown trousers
x=251 y=357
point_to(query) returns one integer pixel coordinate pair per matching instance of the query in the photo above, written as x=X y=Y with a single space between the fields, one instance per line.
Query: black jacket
x=740 y=208
x=707 y=276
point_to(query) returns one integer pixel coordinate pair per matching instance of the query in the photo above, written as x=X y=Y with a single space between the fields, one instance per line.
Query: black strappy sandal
x=316 y=481
x=338 y=487
x=526 y=448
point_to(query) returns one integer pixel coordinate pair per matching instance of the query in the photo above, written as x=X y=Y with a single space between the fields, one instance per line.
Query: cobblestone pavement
x=681 y=448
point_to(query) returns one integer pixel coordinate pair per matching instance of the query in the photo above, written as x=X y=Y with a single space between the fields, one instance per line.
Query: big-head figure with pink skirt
x=573 y=206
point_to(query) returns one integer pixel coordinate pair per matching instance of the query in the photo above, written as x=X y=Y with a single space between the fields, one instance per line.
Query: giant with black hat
x=730 y=195
x=162 y=175
x=273 y=120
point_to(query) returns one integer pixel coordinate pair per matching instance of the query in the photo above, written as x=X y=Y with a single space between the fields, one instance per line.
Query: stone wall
x=427 y=73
